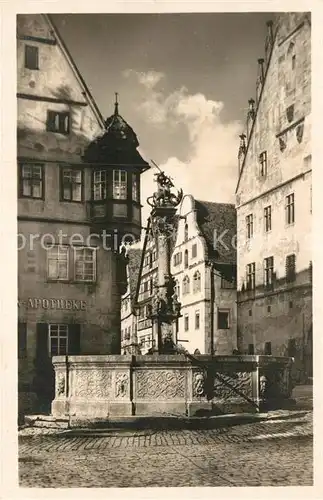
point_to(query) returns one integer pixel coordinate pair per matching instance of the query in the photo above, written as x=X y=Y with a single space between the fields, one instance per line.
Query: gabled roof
x=49 y=20
x=218 y=225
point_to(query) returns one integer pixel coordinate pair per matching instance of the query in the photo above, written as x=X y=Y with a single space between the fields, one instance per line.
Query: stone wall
x=90 y=388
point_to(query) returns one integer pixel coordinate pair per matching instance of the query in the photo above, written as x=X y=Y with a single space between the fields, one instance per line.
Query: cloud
x=210 y=171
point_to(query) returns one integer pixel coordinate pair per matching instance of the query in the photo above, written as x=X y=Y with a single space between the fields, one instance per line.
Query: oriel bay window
x=99 y=185
x=71 y=184
x=120 y=184
x=32 y=181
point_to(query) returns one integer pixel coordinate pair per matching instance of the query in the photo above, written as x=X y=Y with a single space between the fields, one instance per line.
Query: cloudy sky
x=184 y=81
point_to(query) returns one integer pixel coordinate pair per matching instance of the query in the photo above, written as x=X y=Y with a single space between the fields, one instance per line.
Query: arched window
x=186 y=232
x=186 y=259
x=197 y=282
x=186 y=285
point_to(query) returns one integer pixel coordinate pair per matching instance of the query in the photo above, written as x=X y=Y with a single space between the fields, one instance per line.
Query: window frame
x=290 y=268
x=102 y=184
x=197 y=320
x=196 y=282
x=32 y=178
x=251 y=276
x=186 y=285
x=119 y=184
x=263 y=160
x=186 y=259
x=186 y=322
x=67 y=260
x=194 y=250
x=135 y=187
x=94 y=253
x=290 y=209
x=60 y=116
x=269 y=265
x=249 y=226
x=267 y=218
x=58 y=337
x=35 y=50
x=227 y=312
x=71 y=184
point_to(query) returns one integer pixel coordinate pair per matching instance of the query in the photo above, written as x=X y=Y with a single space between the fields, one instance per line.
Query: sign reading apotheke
x=61 y=304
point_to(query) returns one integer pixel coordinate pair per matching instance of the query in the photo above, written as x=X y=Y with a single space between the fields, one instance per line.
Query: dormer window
x=120 y=184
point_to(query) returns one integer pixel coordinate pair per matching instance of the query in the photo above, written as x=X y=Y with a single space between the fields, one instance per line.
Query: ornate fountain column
x=165 y=308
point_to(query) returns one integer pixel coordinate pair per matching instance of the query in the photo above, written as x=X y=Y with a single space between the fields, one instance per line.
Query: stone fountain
x=169 y=381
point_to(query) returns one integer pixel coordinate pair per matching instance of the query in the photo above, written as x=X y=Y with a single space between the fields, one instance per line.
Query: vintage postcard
x=163 y=324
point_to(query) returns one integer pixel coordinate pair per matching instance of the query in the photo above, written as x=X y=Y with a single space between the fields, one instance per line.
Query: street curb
x=170 y=423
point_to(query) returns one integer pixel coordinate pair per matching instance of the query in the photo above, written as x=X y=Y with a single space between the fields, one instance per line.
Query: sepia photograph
x=164 y=205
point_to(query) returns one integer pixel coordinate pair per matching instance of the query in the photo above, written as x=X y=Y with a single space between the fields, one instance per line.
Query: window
x=223 y=320
x=186 y=322
x=268 y=271
x=227 y=284
x=177 y=259
x=120 y=184
x=263 y=163
x=194 y=251
x=196 y=282
x=58 y=340
x=31 y=181
x=58 y=122
x=249 y=224
x=251 y=349
x=99 y=185
x=85 y=264
x=71 y=184
x=290 y=268
x=267 y=218
x=197 y=320
x=57 y=262
x=267 y=348
x=293 y=61
x=135 y=190
x=251 y=276
x=290 y=209
x=186 y=232
x=31 y=57
x=186 y=285
x=22 y=340
x=186 y=259
x=177 y=288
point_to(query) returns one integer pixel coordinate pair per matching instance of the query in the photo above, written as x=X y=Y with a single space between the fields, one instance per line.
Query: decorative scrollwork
x=198 y=384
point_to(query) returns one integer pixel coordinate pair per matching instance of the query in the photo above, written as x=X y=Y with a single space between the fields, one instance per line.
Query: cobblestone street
x=275 y=452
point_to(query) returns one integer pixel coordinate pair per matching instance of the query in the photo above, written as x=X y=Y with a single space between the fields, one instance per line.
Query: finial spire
x=116 y=104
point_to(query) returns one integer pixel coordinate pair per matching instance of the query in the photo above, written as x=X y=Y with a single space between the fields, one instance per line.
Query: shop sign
x=59 y=304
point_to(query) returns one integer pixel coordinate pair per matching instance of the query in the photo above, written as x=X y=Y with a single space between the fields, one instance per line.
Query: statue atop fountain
x=165 y=308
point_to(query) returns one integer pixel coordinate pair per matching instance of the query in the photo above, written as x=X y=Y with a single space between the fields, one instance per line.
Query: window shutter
x=42 y=354
x=22 y=340
x=74 y=339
